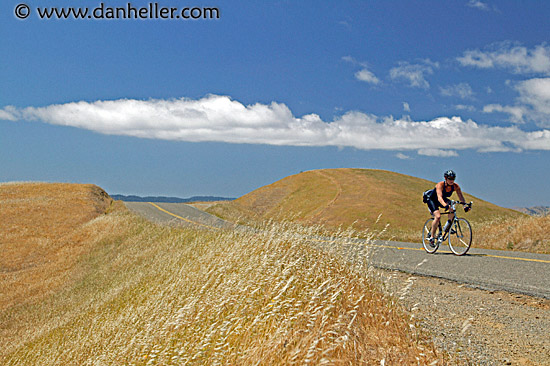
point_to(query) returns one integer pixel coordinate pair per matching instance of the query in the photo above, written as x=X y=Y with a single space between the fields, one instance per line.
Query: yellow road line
x=376 y=245
x=182 y=218
x=516 y=258
x=444 y=251
x=372 y=245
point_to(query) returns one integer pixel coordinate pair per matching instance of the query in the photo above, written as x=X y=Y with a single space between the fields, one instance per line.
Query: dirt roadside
x=477 y=327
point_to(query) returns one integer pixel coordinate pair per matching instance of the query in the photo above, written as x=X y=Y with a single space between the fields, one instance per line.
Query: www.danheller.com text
x=152 y=10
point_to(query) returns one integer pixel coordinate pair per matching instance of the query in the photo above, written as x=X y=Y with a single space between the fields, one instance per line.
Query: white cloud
x=478 y=5
x=518 y=59
x=366 y=76
x=464 y=107
x=402 y=156
x=406 y=107
x=349 y=59
x=438 y=153
x=536 y=93
x=8 y=114
x=516 y=112
x=221 y=119
x=413 y=74
x=533 y=103
x=537 y=140
x=462 y=90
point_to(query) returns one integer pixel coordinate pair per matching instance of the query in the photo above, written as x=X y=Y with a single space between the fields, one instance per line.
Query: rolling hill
x=534 y=211
x=43 y=233
x=363 y=198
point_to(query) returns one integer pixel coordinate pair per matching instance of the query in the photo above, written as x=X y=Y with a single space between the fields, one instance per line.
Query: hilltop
x=363 y=198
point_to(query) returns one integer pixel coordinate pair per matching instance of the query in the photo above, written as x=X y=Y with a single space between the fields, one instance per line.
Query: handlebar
x=452 y=205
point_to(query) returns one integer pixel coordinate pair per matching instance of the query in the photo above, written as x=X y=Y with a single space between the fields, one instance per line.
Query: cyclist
x=439 y=197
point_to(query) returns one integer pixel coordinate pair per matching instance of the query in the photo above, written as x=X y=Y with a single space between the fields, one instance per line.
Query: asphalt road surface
x=518 y=272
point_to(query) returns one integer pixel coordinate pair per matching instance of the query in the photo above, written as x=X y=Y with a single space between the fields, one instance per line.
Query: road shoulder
x=476 y=326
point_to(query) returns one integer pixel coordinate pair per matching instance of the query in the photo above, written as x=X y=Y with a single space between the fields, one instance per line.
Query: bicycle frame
x=453 y=223
x=446 y=233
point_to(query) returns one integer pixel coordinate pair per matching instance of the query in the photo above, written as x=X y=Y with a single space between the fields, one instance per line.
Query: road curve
x=525 y=273
x=177 y=213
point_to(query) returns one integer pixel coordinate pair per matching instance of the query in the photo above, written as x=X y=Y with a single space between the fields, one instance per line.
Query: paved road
x=177 y=213
x=524 y=273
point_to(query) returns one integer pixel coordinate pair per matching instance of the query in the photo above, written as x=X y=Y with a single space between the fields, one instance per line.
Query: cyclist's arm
x=439 y=191
x=459 y=193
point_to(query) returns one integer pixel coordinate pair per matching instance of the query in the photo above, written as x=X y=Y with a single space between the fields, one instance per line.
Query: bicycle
x=459 y=233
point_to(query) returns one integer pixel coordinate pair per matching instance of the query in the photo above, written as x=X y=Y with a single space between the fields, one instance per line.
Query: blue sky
x=223 y=106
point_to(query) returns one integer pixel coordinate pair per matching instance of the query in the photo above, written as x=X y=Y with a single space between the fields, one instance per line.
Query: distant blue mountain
x=534 y=211
x=131 y=198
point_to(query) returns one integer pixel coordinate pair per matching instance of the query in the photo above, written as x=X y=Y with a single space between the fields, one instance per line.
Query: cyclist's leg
x=435 y=224
x=451 y=218
x=451 y=215
x=434 y=209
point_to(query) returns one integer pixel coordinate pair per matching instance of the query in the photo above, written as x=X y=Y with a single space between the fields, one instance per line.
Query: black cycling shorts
x=434 y=205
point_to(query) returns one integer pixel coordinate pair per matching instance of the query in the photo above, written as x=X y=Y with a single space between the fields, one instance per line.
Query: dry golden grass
x=528 y=234
x=366 y=199
x=143 y=294
x=39 y=236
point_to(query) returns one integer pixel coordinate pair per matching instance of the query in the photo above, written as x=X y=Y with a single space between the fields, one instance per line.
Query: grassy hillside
x=529 y=234
x=83 y=281
x=366 y=199
x=40 y=236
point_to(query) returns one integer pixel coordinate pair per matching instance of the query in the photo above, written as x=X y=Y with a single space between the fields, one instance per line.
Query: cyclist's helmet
x=449 y=174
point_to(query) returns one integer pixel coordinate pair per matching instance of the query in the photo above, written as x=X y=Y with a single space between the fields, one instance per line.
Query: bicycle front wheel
x=426 y=229
x=460 y=237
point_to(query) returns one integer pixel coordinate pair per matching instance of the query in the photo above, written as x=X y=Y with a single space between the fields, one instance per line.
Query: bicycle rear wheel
x=460 y=237
x=426 y=229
